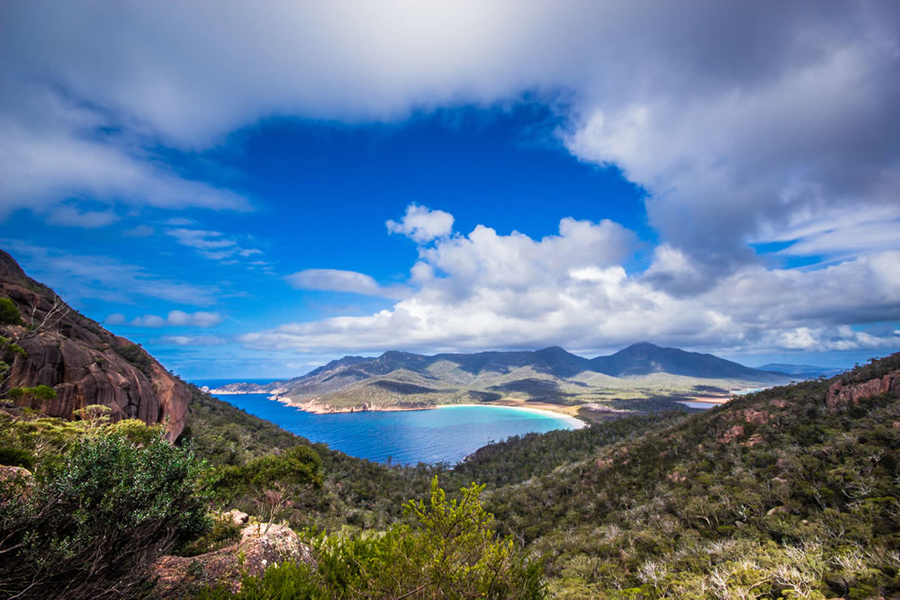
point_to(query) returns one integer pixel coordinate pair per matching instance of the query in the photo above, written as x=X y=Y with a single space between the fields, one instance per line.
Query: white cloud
x=69 y=216
x=139 y=231
x=422 y=224
x=735 y=117
x=840 y=231
x=333 y=280
x=177 y=318
x=211 y=244
x=53 y=149
x=115 y=319
x=486 y=290
x=77 y=276
x=191 y=340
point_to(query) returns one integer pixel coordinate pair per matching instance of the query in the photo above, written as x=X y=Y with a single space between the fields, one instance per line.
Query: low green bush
x=14 y=457
x=450 y=551
x=91 y=526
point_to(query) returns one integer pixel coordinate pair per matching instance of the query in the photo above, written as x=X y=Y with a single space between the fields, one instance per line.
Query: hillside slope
x=552 y=375
x=791 y=492
x=81 y=361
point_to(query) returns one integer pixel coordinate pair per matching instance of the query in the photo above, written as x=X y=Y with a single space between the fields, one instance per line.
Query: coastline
x=314 y=407
x=710 y=399
x=574 y=422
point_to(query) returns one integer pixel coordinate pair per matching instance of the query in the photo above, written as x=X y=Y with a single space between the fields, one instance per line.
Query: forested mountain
x=792 y=492
x=552 y=375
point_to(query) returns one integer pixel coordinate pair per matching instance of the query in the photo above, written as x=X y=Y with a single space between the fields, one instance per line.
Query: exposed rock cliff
x=841 y=393
x=83 y=362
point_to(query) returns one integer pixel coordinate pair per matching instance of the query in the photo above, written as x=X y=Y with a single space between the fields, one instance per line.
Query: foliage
x=451 y=552
x=91 y=526
x=48 y=439
x=225 y=435
x=41 y=392
x=137 y=356
x=775 y=494
x=16 y=457
x=9 y=313
x=222 y=532
x=269 y=485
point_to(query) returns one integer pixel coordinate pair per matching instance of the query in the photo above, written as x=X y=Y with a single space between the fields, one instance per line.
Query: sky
x=250 y=190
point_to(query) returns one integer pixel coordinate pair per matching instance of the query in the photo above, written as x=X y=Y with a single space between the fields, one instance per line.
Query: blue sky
x=457 y=177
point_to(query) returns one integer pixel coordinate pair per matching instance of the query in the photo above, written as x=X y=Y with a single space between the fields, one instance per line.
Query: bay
x=443 y=435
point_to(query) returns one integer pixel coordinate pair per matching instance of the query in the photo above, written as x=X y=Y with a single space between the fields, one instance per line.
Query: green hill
x=642 y=372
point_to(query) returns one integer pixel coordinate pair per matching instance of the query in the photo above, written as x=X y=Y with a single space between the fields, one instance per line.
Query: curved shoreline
x=311 y=406
x=575 y=423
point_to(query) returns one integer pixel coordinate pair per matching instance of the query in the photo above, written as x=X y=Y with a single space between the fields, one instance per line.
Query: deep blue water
x=409 y=437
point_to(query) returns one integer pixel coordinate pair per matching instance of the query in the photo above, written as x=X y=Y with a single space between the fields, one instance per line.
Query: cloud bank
x=741 y=120
x=750 y=125
x=175 y=318
x=485 y=290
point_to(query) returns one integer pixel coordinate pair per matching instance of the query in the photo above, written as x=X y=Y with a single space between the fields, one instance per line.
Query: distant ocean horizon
x=445 y=435
x=214 y=383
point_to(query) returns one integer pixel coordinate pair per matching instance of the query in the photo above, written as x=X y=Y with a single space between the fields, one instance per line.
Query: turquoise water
x=703 y=405
x=445 y=434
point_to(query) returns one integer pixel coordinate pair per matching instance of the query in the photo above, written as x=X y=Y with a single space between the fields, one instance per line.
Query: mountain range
x=397 y=380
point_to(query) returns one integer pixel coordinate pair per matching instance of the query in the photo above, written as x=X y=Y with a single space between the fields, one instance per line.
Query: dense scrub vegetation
x=92 y=522
x=774 y=495
x=450 y=551
x=778 y=494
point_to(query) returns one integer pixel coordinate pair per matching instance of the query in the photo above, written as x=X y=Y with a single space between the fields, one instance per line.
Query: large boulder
x=261 y=546
x=82 y=362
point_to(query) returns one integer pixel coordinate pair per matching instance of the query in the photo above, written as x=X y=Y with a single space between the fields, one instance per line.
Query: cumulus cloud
x=115 y=319
x=178 y=318
x=422 y=224
x=746 y=123
x=333 y=280
x=486 y=290
x=191 y=340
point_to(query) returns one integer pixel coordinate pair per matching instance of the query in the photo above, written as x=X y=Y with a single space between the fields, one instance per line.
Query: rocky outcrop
x=261 y=546
x=842 y=394
x=82 y=362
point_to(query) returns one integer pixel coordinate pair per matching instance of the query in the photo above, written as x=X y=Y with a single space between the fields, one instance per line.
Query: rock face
x=82 y=362
x=260 y=547
x=842 y=394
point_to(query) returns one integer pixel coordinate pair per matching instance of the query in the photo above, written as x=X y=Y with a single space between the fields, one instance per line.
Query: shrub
x=41 y=392
x=136 y=355
x=294 y=470
x=9 y=313
x=15 y=457
x=92 y=525
x=451 y=553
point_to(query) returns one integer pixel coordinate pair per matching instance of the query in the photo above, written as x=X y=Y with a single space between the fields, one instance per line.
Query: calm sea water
x=446 y=434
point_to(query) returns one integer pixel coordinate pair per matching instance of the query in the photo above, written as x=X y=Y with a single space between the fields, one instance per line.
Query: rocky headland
x=83 y=363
